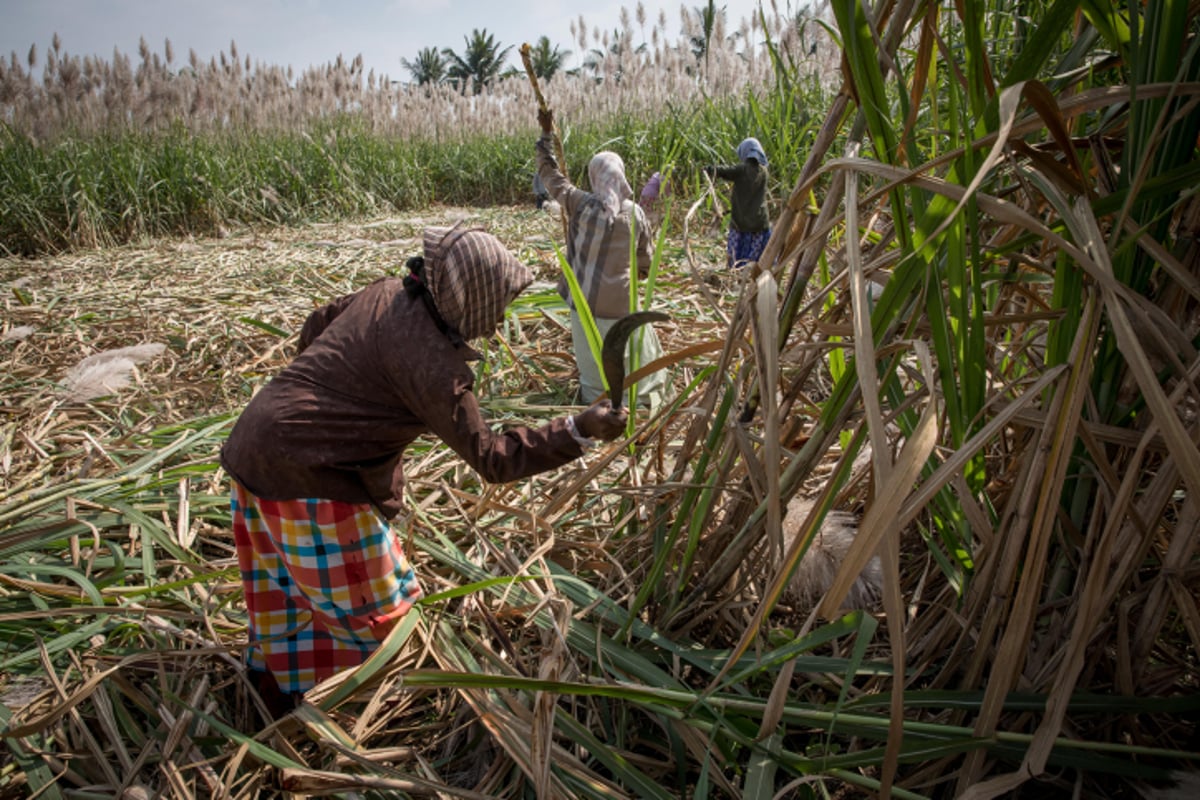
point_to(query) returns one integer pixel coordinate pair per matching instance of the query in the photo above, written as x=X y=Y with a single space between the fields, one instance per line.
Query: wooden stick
x=527 y=60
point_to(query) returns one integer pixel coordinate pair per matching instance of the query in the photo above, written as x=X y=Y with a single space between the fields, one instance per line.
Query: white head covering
x=750 y=148
x=606 y=172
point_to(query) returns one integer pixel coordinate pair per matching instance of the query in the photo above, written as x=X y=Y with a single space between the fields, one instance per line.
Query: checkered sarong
x=325 y=582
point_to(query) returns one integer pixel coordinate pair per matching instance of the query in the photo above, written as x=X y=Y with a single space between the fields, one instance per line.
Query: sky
x=304 y=33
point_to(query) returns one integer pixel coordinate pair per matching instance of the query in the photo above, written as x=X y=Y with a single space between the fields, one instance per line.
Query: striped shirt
x=597 y=241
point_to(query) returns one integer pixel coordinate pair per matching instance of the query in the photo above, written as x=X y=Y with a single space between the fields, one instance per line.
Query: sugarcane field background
x=919 y=520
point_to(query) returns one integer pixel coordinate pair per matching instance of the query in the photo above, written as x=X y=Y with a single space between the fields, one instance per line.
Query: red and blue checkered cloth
x=325 y=582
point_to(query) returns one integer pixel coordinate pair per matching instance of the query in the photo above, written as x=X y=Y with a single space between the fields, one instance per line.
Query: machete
x=612 y=355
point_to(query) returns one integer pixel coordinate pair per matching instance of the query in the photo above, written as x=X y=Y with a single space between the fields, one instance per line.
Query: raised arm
x=728 y=171
x=556 y=183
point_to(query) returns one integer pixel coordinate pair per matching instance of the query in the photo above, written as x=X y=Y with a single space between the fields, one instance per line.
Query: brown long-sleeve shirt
x=373 y=374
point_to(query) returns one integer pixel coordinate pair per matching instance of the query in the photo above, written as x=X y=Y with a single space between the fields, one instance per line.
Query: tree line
x=482 y=58
x=482 y=61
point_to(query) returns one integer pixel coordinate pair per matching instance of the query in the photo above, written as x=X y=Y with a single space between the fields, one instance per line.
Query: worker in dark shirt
x=316 y=457
x=749 y=226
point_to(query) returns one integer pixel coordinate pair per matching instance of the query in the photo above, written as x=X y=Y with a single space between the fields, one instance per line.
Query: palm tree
x=707 y=17
x=616 y=50
x=429 y=67
x=480 y=62
x=545 y=59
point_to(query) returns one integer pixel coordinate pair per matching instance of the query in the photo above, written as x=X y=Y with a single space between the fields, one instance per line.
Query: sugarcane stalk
x=527 y=60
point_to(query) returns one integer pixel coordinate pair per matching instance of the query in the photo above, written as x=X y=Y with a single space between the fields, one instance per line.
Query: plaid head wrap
x=472 y=278
x=606 y=173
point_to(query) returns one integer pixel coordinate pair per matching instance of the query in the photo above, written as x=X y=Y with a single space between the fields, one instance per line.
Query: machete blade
x=612 y=355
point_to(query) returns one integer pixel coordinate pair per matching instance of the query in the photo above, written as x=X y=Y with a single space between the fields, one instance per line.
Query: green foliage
x=110 y=189
x=479 y=63
x=706 y=17
x=428 y=67
x=579 y=300
x=547 y=59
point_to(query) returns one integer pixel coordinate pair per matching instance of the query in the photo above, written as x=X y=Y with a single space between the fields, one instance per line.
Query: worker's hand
x=601 y=422
x=546 y=120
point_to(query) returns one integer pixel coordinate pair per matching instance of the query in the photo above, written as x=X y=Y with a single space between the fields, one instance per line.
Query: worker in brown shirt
x=316 y=457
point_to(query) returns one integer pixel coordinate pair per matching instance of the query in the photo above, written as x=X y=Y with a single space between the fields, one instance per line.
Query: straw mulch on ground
x=201 y=324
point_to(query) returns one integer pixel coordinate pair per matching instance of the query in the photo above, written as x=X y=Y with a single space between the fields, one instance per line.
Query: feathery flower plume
x=819 y=566
x=18 y=333
x=116 y=96
x=107 y=372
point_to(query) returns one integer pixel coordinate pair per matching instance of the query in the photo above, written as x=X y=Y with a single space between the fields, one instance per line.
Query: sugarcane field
x=801 y=406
